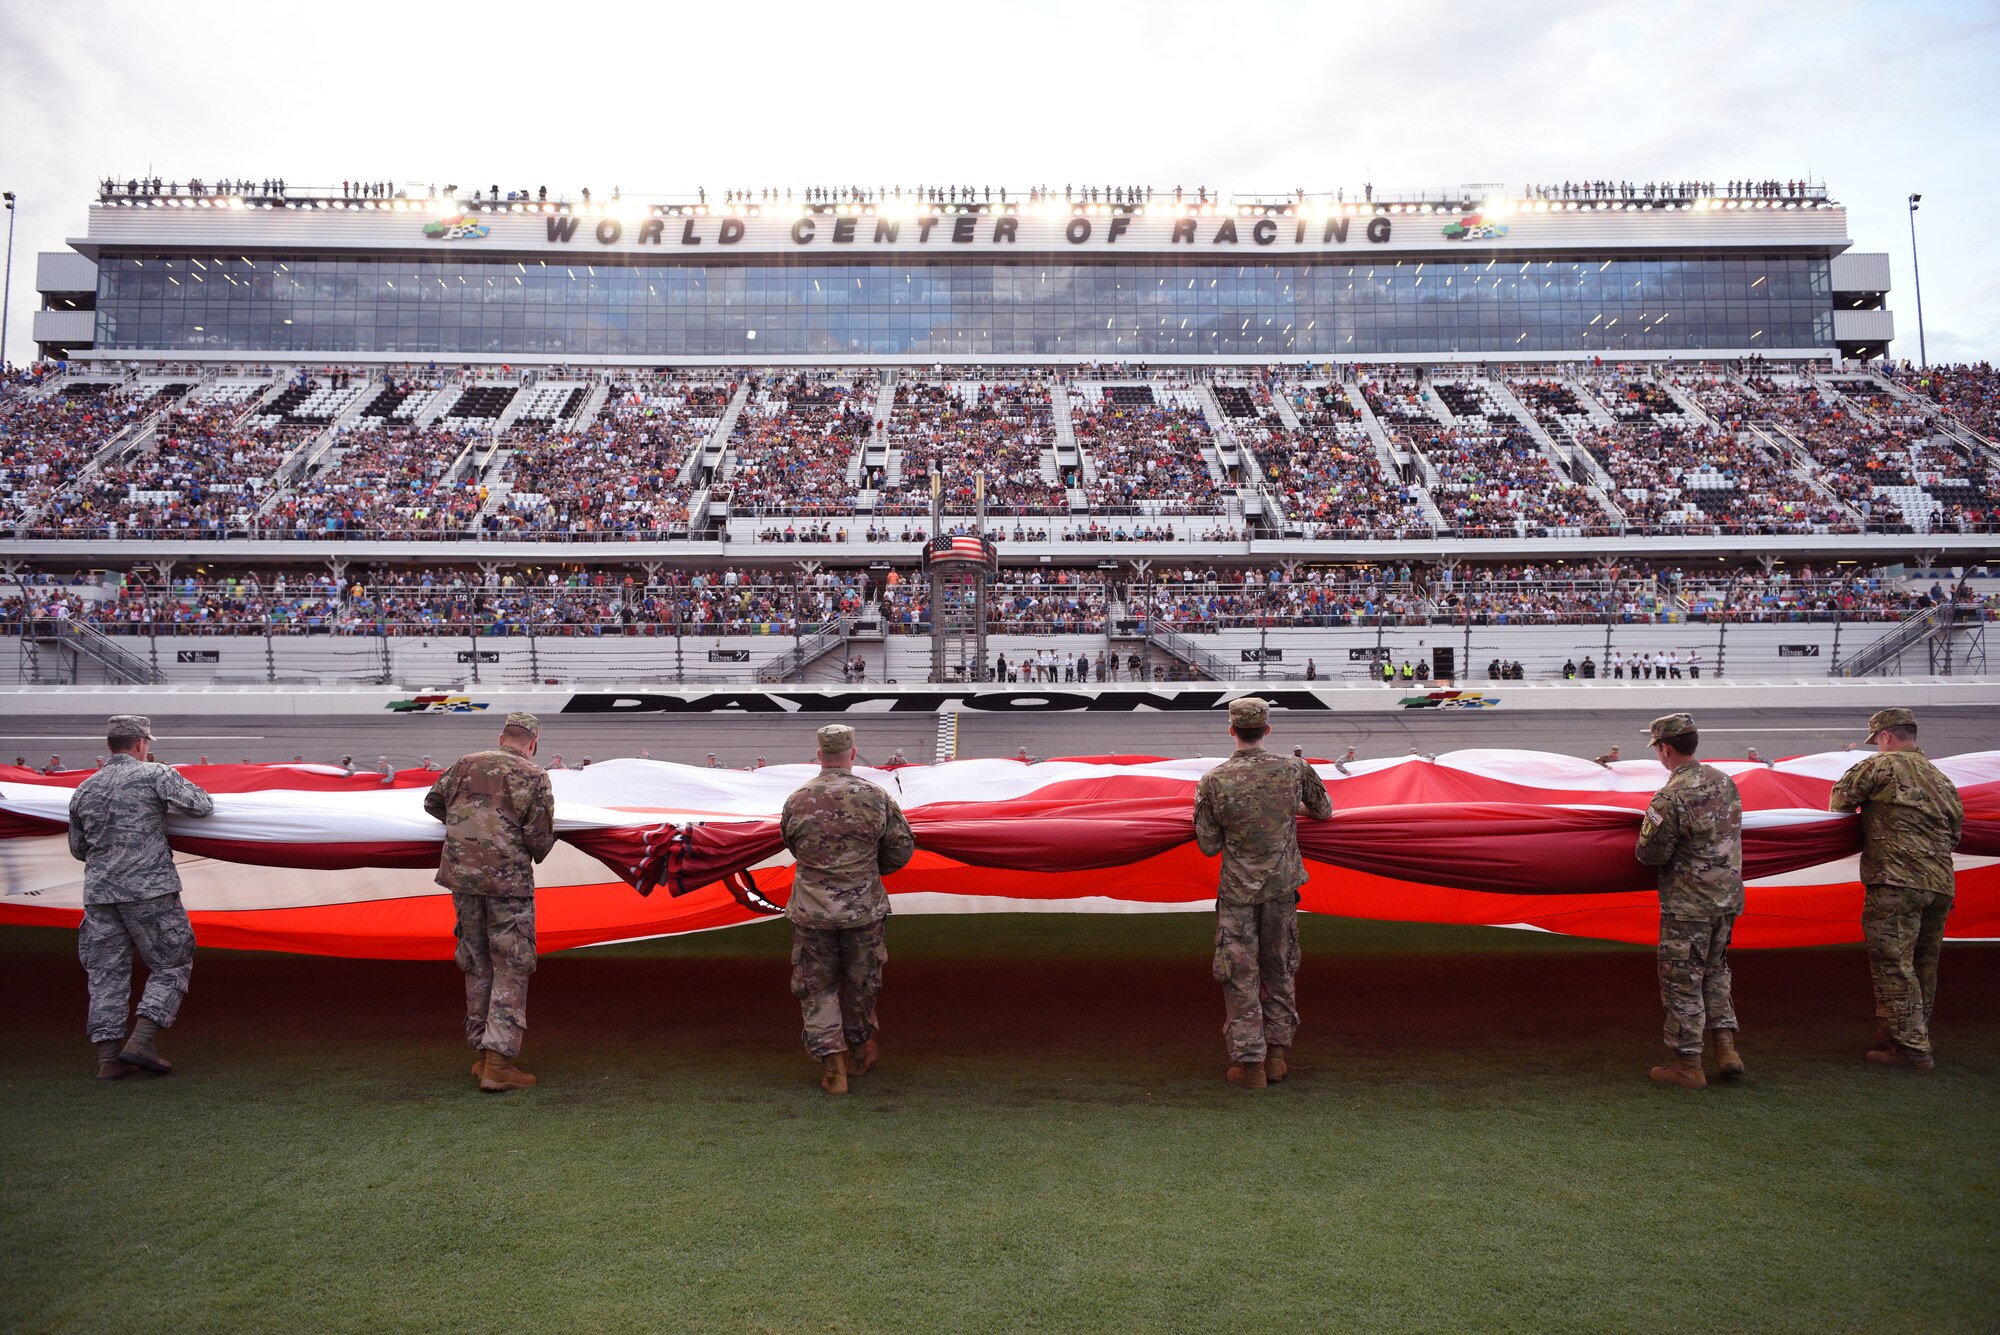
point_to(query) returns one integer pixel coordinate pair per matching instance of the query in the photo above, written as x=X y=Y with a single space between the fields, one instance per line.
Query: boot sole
x=156 y=1067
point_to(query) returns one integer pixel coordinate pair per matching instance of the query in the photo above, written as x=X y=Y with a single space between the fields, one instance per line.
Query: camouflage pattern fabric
x=845 y=834
x=157 y=929
x=118 y=828
x=1245 y=809
x=496 y=950
x=499 y=817
x=1904 y=928
x=1257 y=963
x=1911 y=819
x=1693 y=832
x=837 y=976
x=1694 y=979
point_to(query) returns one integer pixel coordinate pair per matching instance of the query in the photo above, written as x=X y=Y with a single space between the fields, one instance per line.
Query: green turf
x=1472 y=1145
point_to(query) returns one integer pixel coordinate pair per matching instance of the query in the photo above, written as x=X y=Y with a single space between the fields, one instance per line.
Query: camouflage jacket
x=118 y=827
x=1911 y=819
x=1245 y=809
x=1693 y=832
x=846 y=834
x=499 y=817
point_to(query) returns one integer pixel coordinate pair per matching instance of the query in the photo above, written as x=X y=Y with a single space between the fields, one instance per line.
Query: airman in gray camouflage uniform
x=1246 y=809
x=845 y=834
x=499 y=815
x=132 y=895
x=1693 y=832
x=1911 y=819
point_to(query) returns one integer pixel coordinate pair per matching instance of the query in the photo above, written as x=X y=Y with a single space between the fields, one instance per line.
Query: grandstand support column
x=475 y=655
x=388 y=670
x=153 y=642
x=270 y=655
x=534 y=656
x=1465 y=653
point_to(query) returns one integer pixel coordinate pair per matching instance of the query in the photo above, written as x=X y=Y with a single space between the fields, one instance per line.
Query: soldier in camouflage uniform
x=132 y=895
x=1911 y=819
x=845 y=834
x=1245 y=809
x=1693 y=832
x=499 y=815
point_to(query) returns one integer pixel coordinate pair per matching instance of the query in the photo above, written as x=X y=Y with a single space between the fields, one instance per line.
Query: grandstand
x=1211 y=437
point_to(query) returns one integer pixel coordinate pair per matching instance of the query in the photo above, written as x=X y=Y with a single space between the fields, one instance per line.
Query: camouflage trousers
x=157 y=930
x=1694 y=979
x=496 y=949
x=837 y=975
x=1904 y=929
x=1257 y=963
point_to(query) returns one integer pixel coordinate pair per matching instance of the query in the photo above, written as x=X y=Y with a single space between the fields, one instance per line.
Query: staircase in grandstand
x=1198 y=660
x=1952 y=639
x=806 y=650
x=53 y=651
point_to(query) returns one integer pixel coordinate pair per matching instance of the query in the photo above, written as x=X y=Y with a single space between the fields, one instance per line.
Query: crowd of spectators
x=48 y=439
x=1142 y=454
x=617 y=600
x=204 y=475
x=618 y=476
x=793 y=443
x=1326 y=474
x=1497 y=482
x=1002 y=431
x=1043 y=602
x=395 y=481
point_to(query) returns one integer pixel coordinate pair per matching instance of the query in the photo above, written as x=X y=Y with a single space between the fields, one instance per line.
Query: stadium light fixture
x=1923 y=351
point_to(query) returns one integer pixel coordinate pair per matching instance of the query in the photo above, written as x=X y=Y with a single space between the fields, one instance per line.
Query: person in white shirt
x=1694 y=664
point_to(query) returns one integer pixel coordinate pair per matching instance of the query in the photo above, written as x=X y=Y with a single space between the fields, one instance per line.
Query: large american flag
x=962 y=547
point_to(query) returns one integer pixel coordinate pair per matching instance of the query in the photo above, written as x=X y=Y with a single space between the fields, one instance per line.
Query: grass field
x=1471 y=1144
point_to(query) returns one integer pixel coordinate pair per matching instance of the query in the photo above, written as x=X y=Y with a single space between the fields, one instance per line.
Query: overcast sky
x=1877 y=100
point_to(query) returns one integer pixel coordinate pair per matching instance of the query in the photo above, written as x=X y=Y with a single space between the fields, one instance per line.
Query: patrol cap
x=1669 y=725
x=526 y=722
x=131 y=727
x=1893 y=717
x=1249 y=712
x=836 y=739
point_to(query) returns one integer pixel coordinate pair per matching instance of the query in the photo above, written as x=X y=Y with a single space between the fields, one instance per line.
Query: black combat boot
x=139 y=1049
x=108 y=1065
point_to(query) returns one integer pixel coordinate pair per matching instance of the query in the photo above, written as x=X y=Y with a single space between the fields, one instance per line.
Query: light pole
x=7 y=292
x=1923 y=356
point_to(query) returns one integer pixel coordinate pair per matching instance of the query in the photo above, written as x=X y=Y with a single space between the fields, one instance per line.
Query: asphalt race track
x=739 y=739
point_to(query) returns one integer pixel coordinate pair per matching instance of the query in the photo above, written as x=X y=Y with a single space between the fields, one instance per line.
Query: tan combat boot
x=139 y=1049
x=862 y=1060
x=1884 y=1041
x=833 y=1073
x=108 y=1065
x=1277 y=1064
x=478 y=1063
x=1250 y=1075
x=499 y=1074
x=1685 y=1072
x=1728 y=1062
x=1898 y=1055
